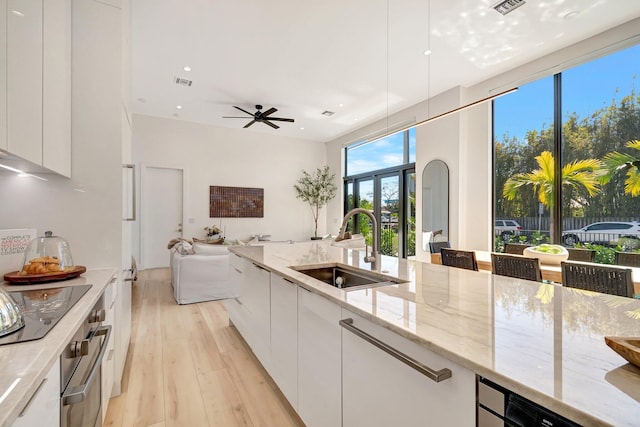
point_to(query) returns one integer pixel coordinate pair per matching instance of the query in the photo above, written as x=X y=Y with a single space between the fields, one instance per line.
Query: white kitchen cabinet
x=56 y=86
x=24 y=79
x=122 y=335
x=380 y=390
x=110 y=296
x=319 y=364
x=38 y=82
x=3 y=74
x=43 y=409
x=257 y=301
x=284 y=337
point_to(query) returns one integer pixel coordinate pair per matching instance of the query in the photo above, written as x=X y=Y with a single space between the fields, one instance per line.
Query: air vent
x=183 y=82
x=328 y=113
x=507 y=6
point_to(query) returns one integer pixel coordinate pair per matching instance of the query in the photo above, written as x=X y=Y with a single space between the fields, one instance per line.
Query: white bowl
x=546 y=257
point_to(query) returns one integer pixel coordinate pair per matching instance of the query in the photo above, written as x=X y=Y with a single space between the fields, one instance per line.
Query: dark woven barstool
x=516 y=266
x=458 y=258
x=598 y=278
x=630 y=259
x=585 y=255
x=515 y=248
x=435 y=247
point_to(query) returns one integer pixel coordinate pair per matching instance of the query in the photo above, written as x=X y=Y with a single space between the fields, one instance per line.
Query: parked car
x=505 y=228
x=604 y=233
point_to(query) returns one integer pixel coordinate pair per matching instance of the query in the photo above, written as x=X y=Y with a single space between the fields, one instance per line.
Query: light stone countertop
x=26 y=364
x=542 y=341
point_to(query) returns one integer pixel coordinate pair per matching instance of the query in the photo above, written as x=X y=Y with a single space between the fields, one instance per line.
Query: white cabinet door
x=24 y=79
x=122 y=335
x=284 y=337
x=43 y=409
x=380 y=390
x=257 y=302
x=108 y=358
x=319 y=364
x=56 y=86
x=3 y=74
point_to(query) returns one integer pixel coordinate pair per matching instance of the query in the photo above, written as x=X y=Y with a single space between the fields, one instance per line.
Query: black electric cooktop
x=41 y=309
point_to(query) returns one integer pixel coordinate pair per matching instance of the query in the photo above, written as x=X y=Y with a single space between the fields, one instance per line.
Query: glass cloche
x=10 y=317
x=47 y=254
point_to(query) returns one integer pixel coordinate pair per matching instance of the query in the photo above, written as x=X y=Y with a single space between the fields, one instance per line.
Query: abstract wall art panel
x=236 y=202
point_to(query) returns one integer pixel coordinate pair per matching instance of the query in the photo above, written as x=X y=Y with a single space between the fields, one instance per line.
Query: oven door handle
x=78 y=393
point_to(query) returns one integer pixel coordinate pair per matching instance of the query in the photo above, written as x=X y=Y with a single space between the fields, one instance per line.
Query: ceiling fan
x=261 y=117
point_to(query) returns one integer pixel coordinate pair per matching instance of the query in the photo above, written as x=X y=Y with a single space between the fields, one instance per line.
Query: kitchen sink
x=342 y=276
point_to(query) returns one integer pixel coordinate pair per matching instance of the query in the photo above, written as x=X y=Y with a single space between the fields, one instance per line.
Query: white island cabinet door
x=319 y=367
x=380 y=390
x=43 y=408
x=284 y=337
x=257 y=303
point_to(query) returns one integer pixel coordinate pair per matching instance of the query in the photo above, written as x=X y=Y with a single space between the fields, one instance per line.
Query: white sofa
x=202 y=276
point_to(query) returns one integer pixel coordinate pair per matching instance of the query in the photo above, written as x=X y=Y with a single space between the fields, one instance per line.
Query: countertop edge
x=56 y=339
x=337 y=296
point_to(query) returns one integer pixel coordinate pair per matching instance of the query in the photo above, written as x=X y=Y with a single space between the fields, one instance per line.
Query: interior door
x=162 y=214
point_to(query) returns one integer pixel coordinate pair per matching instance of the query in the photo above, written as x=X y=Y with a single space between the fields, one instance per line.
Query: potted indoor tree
x=317 y=189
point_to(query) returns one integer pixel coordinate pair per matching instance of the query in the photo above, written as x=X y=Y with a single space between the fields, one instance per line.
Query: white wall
x=236 y=158
x=86 y=209
x=463 y=140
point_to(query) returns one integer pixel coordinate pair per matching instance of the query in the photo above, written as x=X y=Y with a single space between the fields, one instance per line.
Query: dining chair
x=585 y=255
x=435 y=247
x=458 y=258
x=629 y=259
x=515 y=248
x=597 y=278
x=517 y=266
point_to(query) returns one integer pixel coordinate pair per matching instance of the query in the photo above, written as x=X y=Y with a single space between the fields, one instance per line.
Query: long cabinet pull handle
x=33 y=397
x=434 y=375
x=79 y=393
x=239 y=271
x=261 y=268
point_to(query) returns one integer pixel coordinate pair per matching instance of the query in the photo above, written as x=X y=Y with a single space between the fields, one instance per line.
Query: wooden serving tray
x=15 y=278
x=627 y=347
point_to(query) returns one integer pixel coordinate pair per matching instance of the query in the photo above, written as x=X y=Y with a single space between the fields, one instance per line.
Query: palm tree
x=615 y=162
x=579 y=174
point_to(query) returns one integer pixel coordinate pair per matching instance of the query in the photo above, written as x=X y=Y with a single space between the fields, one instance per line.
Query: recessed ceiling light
x=340 y=105
x=17 y=13
x=179 y=107
x=508 y=6
x=427 y=52
x=301 y=128
x=187 y=68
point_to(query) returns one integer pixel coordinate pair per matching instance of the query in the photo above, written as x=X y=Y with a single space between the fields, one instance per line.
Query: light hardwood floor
x=187 y=367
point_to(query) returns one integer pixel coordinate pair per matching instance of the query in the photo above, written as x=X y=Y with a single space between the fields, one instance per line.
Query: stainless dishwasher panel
x=498 y=407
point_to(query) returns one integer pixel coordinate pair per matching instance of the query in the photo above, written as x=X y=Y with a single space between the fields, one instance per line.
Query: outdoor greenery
x=589 y=139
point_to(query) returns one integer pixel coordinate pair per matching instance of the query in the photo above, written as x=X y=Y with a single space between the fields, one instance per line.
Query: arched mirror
x=435 y=203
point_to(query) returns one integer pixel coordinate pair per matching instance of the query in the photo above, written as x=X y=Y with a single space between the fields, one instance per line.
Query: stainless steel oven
x=80 y=364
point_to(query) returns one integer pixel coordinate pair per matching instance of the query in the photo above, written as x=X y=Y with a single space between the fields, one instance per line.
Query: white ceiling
x=362 y=59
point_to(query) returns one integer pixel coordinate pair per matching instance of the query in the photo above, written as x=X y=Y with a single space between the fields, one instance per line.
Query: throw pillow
x=206 y=249
x=184 y=248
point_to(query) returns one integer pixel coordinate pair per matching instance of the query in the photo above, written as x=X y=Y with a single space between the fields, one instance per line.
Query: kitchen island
x=542 y=341
x=23 y=366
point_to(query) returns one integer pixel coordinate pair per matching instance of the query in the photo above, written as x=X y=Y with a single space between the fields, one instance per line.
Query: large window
x=381 y=178
x=557 y=141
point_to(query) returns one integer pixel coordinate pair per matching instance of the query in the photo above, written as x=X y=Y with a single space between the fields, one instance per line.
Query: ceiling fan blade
x=281 y=119
x=267 y=122
x=234 y=117
x=269 y=111
x=248 y=124
x=244 y=111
